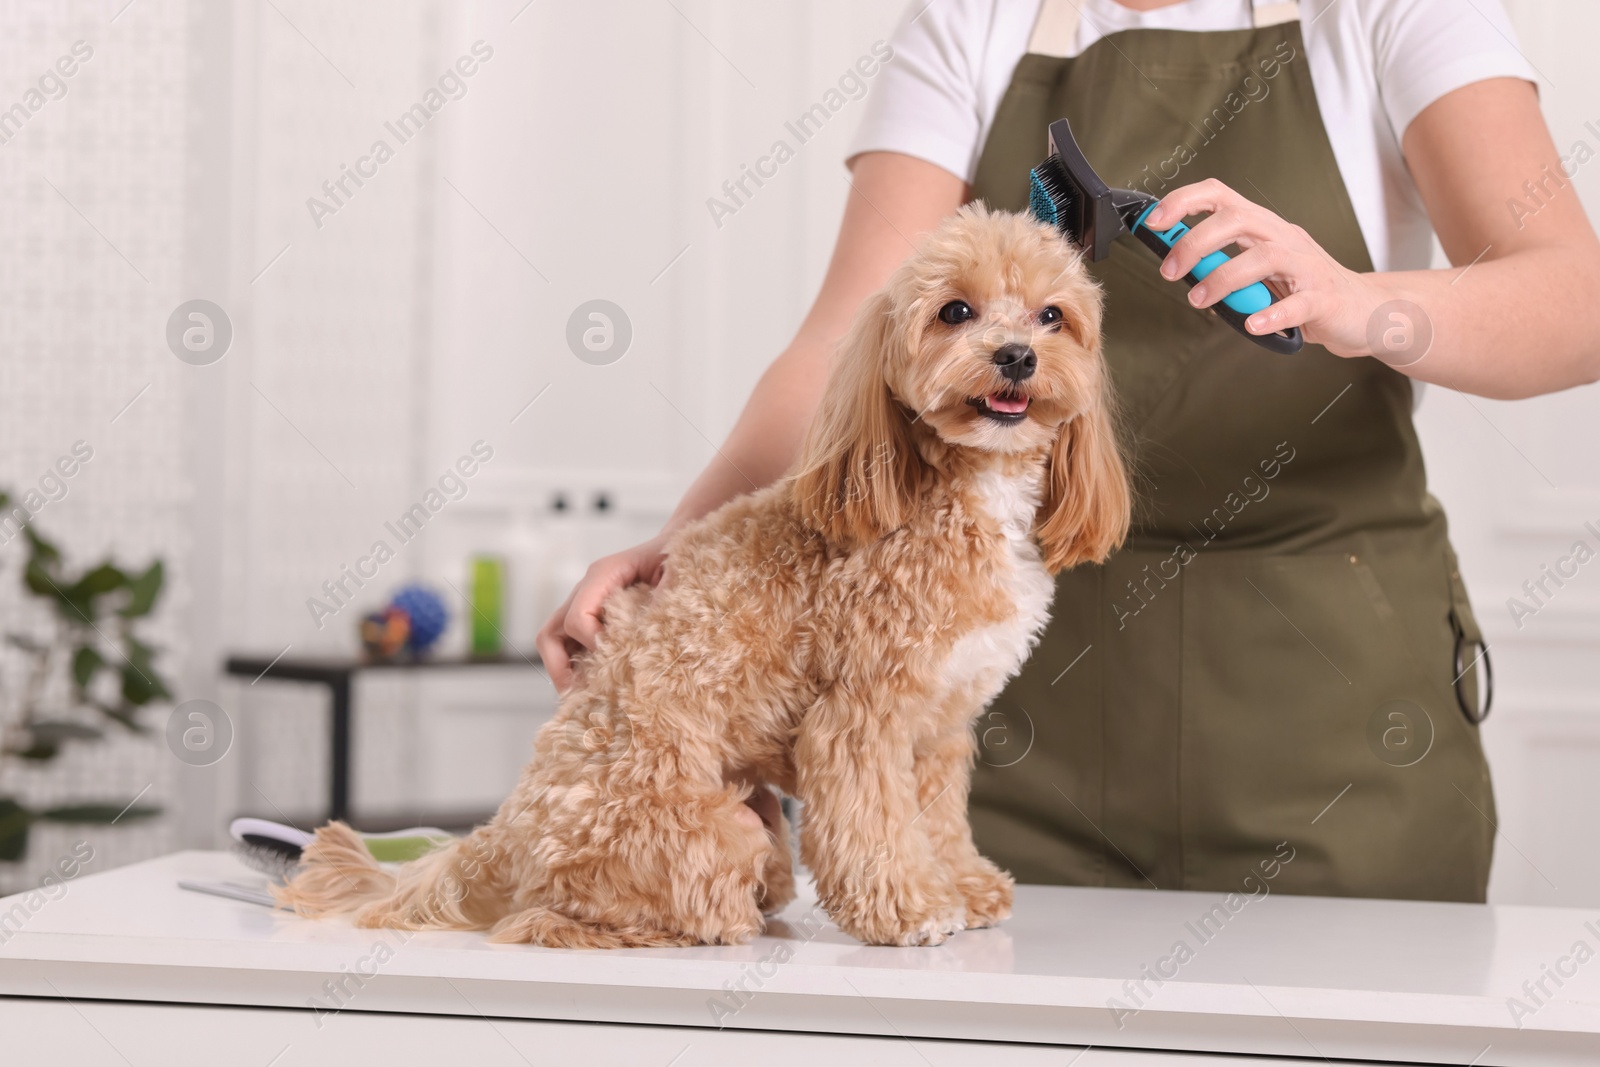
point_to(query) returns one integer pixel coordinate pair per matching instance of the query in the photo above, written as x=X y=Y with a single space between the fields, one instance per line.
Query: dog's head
x=989 y=338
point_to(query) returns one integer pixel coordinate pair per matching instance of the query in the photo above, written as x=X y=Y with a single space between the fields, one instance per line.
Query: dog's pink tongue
x=1008 y=405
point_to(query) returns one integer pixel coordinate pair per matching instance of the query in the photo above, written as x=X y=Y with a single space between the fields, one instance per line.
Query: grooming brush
x=274 y=849
x=268 y=847
x=1066 y=193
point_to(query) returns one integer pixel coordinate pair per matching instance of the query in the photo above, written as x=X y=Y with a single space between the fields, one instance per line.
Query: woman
x=1278 y=671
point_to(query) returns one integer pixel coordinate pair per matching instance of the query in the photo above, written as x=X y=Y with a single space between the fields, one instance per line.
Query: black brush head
x=276 y=859
x=1067 y=193
x=1051 y=198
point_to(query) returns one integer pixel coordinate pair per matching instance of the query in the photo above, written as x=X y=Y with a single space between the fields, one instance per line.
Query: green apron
x=1272 y=657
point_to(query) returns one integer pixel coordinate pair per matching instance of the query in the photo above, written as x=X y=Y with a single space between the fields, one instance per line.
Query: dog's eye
x=955 y=313
x=1050 y=316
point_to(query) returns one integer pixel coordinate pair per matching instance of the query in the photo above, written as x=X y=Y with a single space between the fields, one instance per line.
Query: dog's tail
x=550 y=928
x=454 y=887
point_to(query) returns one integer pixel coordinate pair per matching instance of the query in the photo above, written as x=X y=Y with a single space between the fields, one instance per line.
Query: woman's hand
x=1333 y=306
x=577 y=622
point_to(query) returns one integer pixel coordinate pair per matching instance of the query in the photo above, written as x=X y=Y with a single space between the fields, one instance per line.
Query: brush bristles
x=1050 y=195
x=1039 y=202
x=275 y=859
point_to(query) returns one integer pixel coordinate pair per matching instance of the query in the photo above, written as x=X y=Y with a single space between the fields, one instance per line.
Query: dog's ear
x=1085 y=512
x=859 y=473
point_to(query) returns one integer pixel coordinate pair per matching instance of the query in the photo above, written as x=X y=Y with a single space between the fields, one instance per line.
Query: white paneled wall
x=1520 y=481
x=328 y=412
x=91 y=263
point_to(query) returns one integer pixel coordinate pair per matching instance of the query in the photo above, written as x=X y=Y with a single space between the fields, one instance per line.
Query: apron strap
x=1055 y=30
x=1276 y=12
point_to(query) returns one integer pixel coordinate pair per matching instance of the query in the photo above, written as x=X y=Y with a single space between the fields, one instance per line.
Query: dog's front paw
x=988 y=892
x=934 y=930
x=902 y=914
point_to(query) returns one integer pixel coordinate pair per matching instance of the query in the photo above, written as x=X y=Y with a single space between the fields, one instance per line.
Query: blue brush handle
x=1247 y=301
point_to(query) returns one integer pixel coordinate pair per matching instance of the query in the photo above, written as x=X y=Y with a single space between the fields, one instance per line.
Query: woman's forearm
x=1516 y=316
x=1507 y=328
x=766 y=439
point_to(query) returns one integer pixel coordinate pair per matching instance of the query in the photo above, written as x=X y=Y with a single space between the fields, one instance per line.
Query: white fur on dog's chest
x=990 y=655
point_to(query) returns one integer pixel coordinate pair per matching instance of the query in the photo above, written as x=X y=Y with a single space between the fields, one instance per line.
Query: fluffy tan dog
x=834 y=635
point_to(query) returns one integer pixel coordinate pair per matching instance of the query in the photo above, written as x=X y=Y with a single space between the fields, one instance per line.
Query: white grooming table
x=125 y=968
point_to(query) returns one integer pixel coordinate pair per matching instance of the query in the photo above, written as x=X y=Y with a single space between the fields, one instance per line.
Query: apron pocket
x=1309 y=717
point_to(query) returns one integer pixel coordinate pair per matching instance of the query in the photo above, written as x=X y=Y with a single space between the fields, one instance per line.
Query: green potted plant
x=93 y=635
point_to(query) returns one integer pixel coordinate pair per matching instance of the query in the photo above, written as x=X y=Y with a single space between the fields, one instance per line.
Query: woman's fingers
x=1232 y=220
x=1201 y=198
x=1255 y=264
x=585 y=607
x=552 y=646
x=583 y=621
x=577 y=623
x=573 y=626
x=1213 y=233
x=1296 y=309
x=1311 y=289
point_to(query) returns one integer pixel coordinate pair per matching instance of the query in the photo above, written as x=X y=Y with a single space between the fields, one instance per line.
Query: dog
x=834 y=636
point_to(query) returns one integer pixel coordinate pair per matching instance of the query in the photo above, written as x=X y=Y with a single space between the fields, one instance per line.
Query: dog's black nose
x=1015 y=361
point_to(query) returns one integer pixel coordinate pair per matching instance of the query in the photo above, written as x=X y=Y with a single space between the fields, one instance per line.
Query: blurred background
x=375 y=323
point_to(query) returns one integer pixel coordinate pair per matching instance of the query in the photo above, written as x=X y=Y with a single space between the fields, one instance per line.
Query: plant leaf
x=75 y=606
x=14 y=820
x=38 y=750
x=96 y=813
x=141 y=687
x=103 y=579
x=143 y=591
x=57 y=730
x=86 y=662
x=141 y=682
x=77 y=601
x=138 y=653
x=39 y=581
x=40 y=548
x=126 y=716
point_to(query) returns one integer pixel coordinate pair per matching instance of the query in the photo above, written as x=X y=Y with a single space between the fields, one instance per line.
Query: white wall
x=91 y=253
x=1520 y=480
x=427 y=312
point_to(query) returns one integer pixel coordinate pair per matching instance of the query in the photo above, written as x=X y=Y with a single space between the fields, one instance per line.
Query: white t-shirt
x=1376 y=64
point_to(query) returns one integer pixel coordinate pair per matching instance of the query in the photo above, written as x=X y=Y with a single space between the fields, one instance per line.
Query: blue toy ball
x=427 y=614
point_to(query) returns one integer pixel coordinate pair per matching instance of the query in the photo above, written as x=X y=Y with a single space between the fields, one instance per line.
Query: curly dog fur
x=833 y=636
